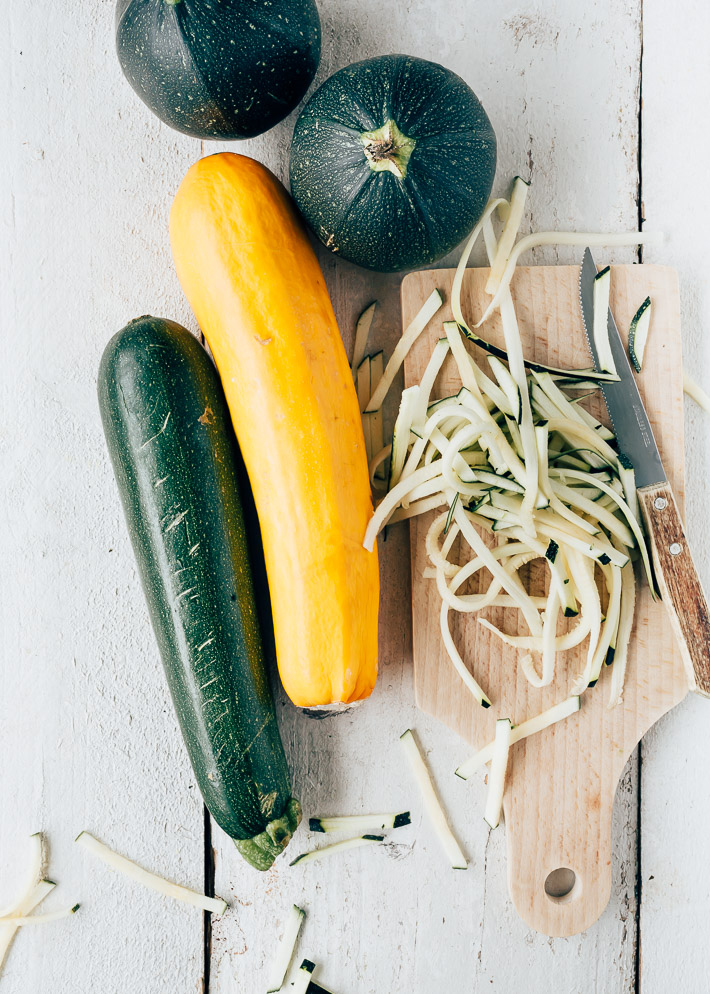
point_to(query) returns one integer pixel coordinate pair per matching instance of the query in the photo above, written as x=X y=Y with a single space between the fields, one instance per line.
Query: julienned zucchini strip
x=602 y=286
x=285 y=950
x=694 y=390
x=32 y=892
x=303 y=977
x=518 y=732
x=362 y=331
x=360 y=823
x=362 y=385
x=638 y=334
x=150 y=880
x=530 y=241
x=432 y=804
x=580 y=239
x=377 y=437
x=496 y=777
x=34 y=889
x=410 y=334
x=16 y=921
x=335 y=847
x=32 y=875
x=509 y=233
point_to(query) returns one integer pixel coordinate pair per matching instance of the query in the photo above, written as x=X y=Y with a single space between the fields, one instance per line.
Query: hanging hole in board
x=562 y=885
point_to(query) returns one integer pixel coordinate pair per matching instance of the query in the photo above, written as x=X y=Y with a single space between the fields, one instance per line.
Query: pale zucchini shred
x=626 y=622
x=600 y=333
x=150 y=880
x=516 y=364
x=286 y=949
x=496 y=777
x=16 y=921
x=432 y=803
x=335 y=847
x=32 y=893
x=303 y=977
x=362 y=385
x=32 y=875
x=509 y=234
x=467 y=677
x=377 y=438
x=581 y=239
x=558 y=712
x=362 y=332
x=418 y=507
x=360 y=823
x=409 y=336
x=378 y=459
x=696 y=392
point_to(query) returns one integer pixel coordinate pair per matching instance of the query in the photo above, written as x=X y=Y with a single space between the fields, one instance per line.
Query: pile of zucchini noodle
x=516 y=455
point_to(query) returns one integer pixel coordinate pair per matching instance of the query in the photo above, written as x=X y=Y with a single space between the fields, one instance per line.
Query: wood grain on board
x=561 y=782
x=678 y=582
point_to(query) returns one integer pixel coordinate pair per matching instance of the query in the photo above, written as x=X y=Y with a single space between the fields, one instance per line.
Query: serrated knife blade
x=675 y=572
x=628 y=415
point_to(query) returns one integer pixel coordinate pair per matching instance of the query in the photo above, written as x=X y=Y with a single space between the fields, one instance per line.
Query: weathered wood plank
x=383 y=924
x=87 y=733
x=675 y=878
x=93 y=742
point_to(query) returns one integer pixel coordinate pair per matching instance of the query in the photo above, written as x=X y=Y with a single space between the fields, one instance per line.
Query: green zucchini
x=175 y=459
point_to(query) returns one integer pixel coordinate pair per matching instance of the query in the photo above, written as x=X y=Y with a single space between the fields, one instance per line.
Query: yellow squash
x=249 y=272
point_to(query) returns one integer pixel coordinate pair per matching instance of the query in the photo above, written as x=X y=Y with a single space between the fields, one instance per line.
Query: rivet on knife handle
x=678 y=582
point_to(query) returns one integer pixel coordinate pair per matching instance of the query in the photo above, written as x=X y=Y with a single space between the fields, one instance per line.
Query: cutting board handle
x=561 y=828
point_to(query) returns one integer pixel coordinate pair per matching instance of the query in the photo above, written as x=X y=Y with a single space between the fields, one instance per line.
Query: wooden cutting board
x=561 y=782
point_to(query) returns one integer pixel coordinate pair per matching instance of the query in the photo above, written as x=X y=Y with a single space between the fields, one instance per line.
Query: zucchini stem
x=261 y=850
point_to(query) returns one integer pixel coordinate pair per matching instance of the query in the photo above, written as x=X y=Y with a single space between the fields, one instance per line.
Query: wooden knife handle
x=678 y=582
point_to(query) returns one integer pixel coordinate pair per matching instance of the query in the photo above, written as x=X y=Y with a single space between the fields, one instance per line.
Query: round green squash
x=222 y=69
x=392 y=162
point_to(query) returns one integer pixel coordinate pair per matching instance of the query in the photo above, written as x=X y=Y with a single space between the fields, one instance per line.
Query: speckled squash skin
x=175 y=459
x=378 y=219
x=223 y=69
x=250 y=274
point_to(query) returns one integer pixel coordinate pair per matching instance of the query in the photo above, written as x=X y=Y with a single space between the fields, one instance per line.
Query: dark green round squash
x=220 y=69
x=392 y=162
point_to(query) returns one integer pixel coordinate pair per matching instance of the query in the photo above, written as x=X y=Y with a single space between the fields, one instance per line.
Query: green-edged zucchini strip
x=530 y=727
x=409 y=336
x=356 y=843
x=362 y=331
x=638 y=334
x=600 y=331
x=360 y=823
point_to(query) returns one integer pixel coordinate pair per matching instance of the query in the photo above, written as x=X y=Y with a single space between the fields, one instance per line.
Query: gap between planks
x=638 y=888
x=209 y=880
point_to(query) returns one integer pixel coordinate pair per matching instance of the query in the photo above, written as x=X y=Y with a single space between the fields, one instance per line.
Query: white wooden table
x=603 y=104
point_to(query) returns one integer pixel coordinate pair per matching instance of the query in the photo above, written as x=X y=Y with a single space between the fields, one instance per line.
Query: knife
x=676 y=576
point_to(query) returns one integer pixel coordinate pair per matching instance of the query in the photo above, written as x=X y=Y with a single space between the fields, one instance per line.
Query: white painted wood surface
x=87 y=738
x=675 y=798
